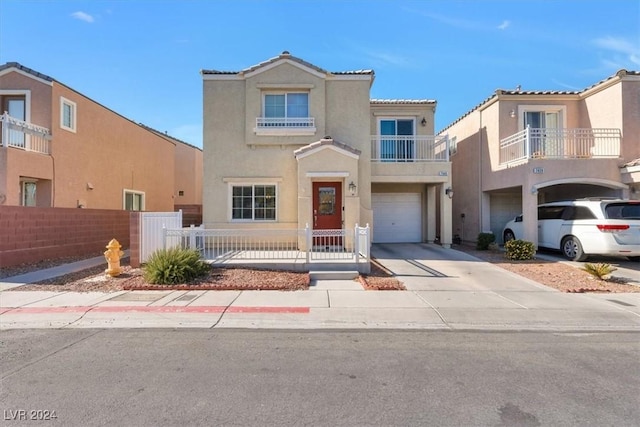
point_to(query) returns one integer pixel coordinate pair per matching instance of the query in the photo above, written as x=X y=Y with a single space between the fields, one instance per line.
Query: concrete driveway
x=430 y=267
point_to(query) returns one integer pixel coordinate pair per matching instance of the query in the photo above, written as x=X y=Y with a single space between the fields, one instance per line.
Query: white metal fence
x=304 y=245
x=410 y=148
x=285 y=122
x=552 y=143
x=23 y=135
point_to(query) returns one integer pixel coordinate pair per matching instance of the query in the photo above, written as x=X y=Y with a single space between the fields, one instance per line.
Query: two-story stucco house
x=519 y=148
x=60 y=148
x=287 y=143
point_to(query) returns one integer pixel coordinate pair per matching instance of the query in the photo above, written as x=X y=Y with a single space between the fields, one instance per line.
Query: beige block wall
x=110 y=152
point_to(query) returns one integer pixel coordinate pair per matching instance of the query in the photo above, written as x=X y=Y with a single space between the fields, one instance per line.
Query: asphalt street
x=160 y=377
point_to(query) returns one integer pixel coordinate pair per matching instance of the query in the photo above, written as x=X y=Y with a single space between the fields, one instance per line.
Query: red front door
x=327 y=211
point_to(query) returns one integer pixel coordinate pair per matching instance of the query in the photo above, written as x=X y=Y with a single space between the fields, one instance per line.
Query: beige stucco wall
x=234 y=153
x=465 y=174
x=479 y=133
x=188 y=174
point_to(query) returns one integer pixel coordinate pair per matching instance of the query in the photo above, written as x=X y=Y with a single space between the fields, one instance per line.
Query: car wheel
x=572 y=249
x=634 y=258
x=508 y=235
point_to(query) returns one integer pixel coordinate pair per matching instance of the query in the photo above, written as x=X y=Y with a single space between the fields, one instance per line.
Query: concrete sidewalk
x=447 y=290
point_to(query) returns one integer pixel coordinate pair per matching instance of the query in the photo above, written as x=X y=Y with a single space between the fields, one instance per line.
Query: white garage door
x=396 y=217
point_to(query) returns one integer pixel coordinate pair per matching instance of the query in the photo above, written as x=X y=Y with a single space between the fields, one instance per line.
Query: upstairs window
x=67 y=115
x=286 y=110
x=397 y=140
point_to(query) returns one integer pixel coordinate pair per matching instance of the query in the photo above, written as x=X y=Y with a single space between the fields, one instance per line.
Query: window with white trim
x=397 y=139
x=67 y=114
x=253 y=202
x=133 y=200
x=288 y=110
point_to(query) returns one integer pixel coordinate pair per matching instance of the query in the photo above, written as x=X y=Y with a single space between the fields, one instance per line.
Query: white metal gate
x=151 y=230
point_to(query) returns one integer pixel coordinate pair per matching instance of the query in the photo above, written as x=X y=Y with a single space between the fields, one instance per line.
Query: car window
x=625 y=210
x=577 y=212
x=550 y=212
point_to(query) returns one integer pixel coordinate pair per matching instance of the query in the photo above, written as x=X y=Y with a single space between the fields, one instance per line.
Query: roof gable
x=285 y=57
x=327 y=143
x=25 y=71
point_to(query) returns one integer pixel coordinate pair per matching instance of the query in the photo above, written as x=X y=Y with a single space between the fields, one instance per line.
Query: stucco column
x=485 y=217
x=445 y=219
x=431 y=213
x=529 y=214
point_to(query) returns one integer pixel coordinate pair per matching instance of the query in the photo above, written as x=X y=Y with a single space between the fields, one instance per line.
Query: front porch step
x=333 y=275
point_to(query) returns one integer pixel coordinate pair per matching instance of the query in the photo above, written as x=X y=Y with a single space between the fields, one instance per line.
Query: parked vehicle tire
x=508 y=235
x=634 y=258
x=572 y=249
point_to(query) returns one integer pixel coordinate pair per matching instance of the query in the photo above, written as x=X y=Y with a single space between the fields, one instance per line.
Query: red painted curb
x=155 y=309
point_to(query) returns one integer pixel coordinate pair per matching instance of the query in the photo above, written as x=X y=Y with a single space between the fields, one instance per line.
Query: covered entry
x=397 y=217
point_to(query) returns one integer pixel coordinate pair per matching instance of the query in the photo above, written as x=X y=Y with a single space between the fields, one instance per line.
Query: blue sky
x=142 y=58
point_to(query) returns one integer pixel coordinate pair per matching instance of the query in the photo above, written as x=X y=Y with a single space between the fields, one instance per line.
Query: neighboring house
x=520 y=148
x=188 y=180
x=62 y=149
x=287 y=143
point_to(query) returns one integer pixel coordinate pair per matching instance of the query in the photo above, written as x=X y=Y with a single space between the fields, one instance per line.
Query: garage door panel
x=397 y=217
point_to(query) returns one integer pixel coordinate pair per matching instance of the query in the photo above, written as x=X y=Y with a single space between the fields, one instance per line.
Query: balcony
x=411 y=158
x=550 y=143
x=285 y=126
x=412 y=148
x=24 y=136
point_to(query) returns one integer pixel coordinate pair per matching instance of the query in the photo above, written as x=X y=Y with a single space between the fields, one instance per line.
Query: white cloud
x=504 y=25
x=83 y=16
x=624 y=53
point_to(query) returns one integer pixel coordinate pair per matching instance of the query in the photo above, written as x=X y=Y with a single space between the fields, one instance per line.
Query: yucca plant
x=600 y=270
x=173 y=266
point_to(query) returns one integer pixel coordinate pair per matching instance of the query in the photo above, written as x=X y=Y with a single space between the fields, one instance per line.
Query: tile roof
x=287 y=55
x=620 y=73
x=635 y=162
x=327 y=140
x=26 y=70
x=403 y=101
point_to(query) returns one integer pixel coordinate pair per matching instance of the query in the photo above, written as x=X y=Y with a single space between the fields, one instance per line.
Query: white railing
x=411 y=148
x=549 y=143
x=307 y=245
x=285 y=122
x=23 y=135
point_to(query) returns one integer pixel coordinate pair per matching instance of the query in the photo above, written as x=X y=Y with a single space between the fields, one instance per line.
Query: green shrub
x=600 y=270
x=173 y=266
x=520 y=250
x=484 y=240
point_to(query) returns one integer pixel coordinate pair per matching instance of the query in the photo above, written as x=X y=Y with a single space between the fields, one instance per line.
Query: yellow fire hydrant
x=113 y=255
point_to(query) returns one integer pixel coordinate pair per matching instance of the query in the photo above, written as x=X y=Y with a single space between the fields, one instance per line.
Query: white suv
x=580 y=228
